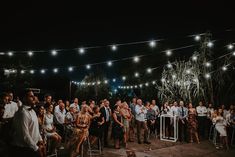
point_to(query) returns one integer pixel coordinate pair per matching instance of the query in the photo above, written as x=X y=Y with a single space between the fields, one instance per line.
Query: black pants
x=182 y=131
x=24 y=152
x=202 y=125
x=105 y=132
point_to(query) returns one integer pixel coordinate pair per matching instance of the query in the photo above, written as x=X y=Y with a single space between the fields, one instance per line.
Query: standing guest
x=224 y=110
x=67 y=105
x=80 y=133
x=183 y=115
x=27 y=140
x=174 y=109
x=132 y=122
x=141 y=112
x=210 y=111
x=106 y=113
x=10 y=108
x=151 y=119
x=220 y=126
x=92 y=104
x=201 y=115
x=117 y=128
x=75 y=105
x=96 y=129
x=165 y=109
x=192 y=123
x=50 y=129
x=126 y=118
x=155 y=107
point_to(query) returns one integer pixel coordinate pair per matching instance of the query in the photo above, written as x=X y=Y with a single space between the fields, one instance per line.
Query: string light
x=136 y=59
x=152 y=44
x=109 y=63
x=168 y=52
x=153 y=82
x=114 y=80
x=98 y=82
x=210 y=44
x=224 y=68
x=169 y=65
x=197 y=37
x=208 y=64
x=105 y=81
x=163 y=80
x=136 y=74
x=31 y=71
x=146 y=84
x=22 y=71
x=188 y=71
x=88 y=66
x=81 y=51
x=70 y=69
x=30 y=53
x=55 y=70
x=207 y=76
x=194 y=58
x=2 y=53
x=54 y=52
x=123 y=78
x=230 y=46
x=234 y=53
x=42 y=71
x=10 y=53
x=114 y=47
x=149 y=70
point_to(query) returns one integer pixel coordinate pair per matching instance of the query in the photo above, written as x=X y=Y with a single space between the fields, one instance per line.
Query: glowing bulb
x=188 y=71
x=230 y=46
x=70 y=69
x=173 y=76
x=135 y=86
x=234 y=53
x=136 y=74
x=114 y=47
x=43 y=71
x=55 y=70
x=105 y=81
x=210 y=44
x=141 y=85
x=194 y=58
x=208 y=64
x=149 y=70
x=197 y=37
x=224 y=68
x=22 y=71
x=115 y=90
x=81 y=51
x=31 y=71
x=163 y=80
x=153 y=82
x=207 y=76
x=114 y=80
x=88 y=66
x=98 y=82
x=109 y=63
x=152 y=44
x=146 y=84
x=10 y=54
x=136 y=59
x=169 y=65
x=54 y=52
x=168 y=52
x=30 y=53
x=123 y=78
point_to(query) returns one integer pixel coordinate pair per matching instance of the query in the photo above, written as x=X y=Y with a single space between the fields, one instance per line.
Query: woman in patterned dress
x=192 y=123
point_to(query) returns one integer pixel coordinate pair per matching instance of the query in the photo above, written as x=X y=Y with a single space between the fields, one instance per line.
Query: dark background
x=67 y=26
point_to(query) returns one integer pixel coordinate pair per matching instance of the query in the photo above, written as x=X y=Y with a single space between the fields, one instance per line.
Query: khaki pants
x=142 y=125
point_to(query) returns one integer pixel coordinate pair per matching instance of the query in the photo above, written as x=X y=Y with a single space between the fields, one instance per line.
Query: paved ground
x=169 y=149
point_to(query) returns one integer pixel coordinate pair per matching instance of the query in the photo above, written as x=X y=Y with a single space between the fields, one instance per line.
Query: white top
x=140 y=113
x=201 y=111
x=26 y=129
x=60 y=116
x=156 y=109
x=10 y=110
x=210 y=112
x=48 y=121
x=77 y=108
x=219 y=121
x=174 y=110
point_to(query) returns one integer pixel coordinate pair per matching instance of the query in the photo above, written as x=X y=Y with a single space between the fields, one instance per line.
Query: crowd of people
x=28 y=125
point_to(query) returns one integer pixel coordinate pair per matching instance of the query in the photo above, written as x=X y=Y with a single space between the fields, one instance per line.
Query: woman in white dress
x=220 y=126
x=50 y=129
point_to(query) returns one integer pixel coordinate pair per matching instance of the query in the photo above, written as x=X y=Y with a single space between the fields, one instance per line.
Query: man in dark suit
x=106 y=113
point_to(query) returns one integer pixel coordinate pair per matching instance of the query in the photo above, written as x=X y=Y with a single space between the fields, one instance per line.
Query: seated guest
x=151 y=119
x=10 y=108
x=75 y=105
x=70 y=117
x=27 y=140
x=59 y=118
x=67 y=104
x=220 y=126
x=80 y=133
x=96 y=129
x=50 y=129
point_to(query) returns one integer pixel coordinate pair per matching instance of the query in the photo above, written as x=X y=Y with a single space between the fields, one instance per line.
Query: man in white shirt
x=75 y=105
x=140 y=117
x=201 y=115
x=174 y=109
x=26 y=136
x=10 y=108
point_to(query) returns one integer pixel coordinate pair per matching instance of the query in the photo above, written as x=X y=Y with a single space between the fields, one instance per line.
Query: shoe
x=147 y=142
x=139 y=142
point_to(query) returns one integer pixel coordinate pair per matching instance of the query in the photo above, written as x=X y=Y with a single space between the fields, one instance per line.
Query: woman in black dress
x=95 y=130
x=117 y=129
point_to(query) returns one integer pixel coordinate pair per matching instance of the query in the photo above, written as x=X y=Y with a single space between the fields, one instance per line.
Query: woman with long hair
x=192 y=123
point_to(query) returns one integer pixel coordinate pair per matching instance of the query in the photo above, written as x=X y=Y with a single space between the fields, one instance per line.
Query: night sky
x=63 y=26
